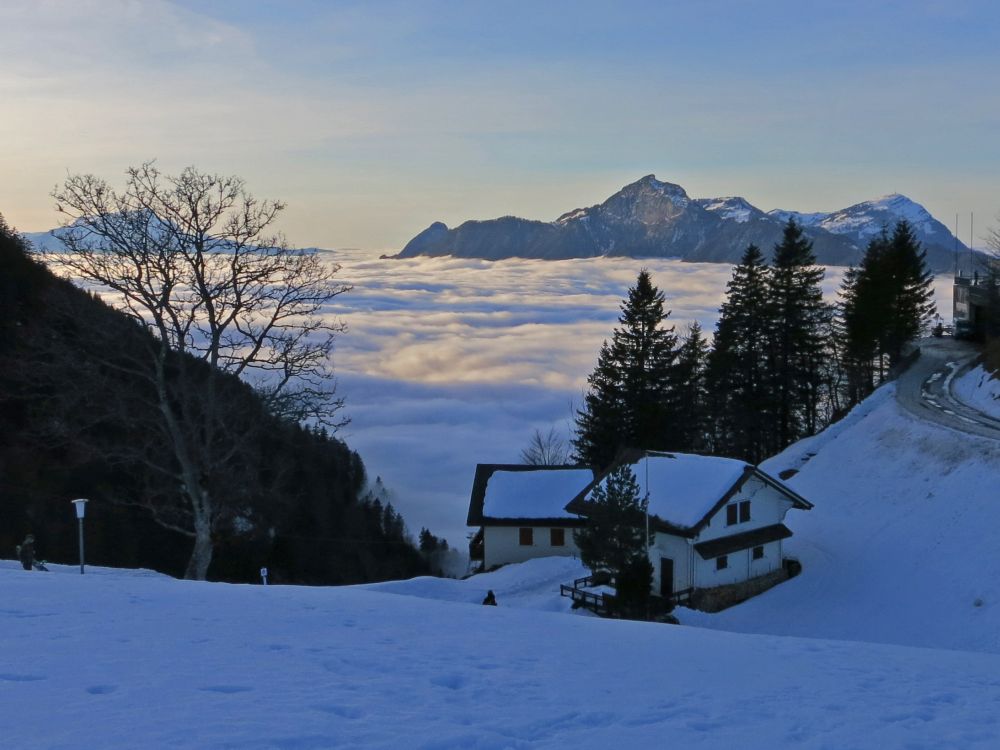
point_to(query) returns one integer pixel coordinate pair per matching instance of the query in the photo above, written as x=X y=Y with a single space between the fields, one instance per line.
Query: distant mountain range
x=650 y=218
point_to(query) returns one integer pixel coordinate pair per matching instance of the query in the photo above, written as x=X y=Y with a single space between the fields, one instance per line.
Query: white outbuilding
x=521 y=512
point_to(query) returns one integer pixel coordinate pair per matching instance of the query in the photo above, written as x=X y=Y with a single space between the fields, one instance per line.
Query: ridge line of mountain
x=652 y=218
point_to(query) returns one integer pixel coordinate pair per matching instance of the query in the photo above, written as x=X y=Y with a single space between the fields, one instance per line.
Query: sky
x=373 y=119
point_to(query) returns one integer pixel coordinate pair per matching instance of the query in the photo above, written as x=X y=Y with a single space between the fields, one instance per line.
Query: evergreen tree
x=862 y=311
x=885 y=303
x=737 y=375
x=689 y=392
x=627 y=402
x=912 y=292
x=615 y=540
x=799 y=319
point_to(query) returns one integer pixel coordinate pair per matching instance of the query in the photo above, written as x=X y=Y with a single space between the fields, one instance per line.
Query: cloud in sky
x=374 y=119
x=448 y=363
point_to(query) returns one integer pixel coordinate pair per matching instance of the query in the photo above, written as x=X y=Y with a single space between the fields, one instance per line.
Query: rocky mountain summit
x=651 y=218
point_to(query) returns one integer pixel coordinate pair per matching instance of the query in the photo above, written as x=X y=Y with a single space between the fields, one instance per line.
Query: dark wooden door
x=666 y=577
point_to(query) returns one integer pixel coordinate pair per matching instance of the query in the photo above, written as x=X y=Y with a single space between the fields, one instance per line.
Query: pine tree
x=689 y=392
x=862 y=311
x=737 y=376
x=912 y=301
x=627 y=402
x=615 y=539
x=799 y=319
x=886 y=303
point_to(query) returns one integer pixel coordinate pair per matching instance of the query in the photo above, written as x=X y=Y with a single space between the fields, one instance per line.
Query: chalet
x=717 y=525
x=521 y=512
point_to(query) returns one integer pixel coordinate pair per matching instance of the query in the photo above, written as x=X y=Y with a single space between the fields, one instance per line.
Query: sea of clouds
x=452 y=362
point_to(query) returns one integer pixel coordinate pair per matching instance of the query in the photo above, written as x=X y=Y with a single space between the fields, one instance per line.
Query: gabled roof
x=685 y=490
x=514 y=493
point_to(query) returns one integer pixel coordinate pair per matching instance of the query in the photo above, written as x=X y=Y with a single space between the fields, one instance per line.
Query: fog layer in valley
x=448 y=363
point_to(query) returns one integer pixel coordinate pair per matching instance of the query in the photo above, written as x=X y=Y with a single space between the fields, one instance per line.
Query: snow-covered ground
x=889 y=638
x=900 y=546
x=124 y=661
x=979 y=389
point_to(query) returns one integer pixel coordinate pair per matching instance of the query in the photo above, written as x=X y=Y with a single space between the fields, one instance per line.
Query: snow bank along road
x=925 y=388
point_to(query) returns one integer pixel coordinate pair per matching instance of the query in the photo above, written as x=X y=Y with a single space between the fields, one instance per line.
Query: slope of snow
x=733 y=208
x=864 y=220
x=806 y=220
x=979 y=390
x=901 y=545
x=130 y=662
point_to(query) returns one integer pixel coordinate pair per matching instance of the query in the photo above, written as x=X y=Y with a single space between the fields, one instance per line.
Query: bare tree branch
x=194 y=259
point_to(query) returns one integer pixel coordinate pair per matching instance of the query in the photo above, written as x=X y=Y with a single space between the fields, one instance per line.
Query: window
x=744 y=511
x=557 y=537
x=731 y=515
x=758 y=553
x=527 y=537
x=721 y=563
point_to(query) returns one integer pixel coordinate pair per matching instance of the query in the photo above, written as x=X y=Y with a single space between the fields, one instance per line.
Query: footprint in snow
x=345 y=712
x=227 y=689
x=450 y=681
x=101 y=689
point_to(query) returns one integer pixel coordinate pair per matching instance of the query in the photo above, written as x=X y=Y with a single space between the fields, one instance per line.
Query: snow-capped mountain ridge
x=864 y=220
x=655 y=218
x=733 y=208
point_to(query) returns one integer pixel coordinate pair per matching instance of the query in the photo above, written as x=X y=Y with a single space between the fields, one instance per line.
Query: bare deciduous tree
x=546 y=449
x=195 y=259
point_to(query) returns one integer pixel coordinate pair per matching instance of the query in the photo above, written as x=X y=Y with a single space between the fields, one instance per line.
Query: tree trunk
x=201 y=554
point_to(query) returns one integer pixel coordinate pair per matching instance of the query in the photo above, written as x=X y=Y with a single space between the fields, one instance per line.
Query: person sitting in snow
x=490 y=598
x=26 y=552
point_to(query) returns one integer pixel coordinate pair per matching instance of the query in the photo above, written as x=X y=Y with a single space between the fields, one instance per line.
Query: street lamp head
x=81 y=506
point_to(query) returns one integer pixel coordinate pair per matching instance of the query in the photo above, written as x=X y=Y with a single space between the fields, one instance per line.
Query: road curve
x=925 y=389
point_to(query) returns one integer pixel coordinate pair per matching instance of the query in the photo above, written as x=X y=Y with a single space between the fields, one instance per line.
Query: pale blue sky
x=373 y=119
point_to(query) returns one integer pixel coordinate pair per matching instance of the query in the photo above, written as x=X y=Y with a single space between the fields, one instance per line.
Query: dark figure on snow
x=490 y=599
x=27 y=552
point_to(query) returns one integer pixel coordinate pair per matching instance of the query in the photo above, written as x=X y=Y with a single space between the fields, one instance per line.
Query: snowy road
x=925 y=389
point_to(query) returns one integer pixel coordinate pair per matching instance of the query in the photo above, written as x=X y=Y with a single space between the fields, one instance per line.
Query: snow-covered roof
x=682 y=487
x=520 y=492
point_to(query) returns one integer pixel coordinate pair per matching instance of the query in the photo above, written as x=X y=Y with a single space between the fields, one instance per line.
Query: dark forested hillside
x=71 y=425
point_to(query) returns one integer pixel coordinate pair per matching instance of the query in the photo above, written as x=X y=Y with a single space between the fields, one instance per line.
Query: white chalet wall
x=742 y=566
x=767 y=507
x=501 y=545
x=677 y=549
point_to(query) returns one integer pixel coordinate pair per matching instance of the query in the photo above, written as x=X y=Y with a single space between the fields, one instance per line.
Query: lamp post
x=81 y=508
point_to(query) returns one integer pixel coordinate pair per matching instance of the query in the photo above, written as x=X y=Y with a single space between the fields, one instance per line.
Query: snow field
x=980 y=390
x=119 y=661
x=901 y=545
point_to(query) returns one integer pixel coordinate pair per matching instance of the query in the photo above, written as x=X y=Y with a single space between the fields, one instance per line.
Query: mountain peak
x=653 y=218
x=669 y=189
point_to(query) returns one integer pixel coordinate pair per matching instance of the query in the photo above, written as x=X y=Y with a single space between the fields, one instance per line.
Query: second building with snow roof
x=717 y=523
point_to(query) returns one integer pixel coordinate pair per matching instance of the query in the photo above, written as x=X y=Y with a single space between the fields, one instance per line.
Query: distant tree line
x=781 y=366
x=78 y=418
